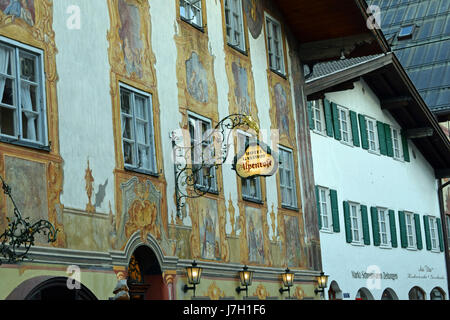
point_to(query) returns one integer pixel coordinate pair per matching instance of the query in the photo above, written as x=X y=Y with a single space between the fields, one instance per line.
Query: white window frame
x=246 y=183
x=152 y=166
x=397 y=144
x=325 y=209
x=373 y=144
x=410 y=230
x=186 y=12
x=356 y=223
x=234 y=24
x=447 y=218
x=318 y=116
x=274 y=52
x=196 y=120
x=18 y=49
x=383 y=220
x=434 y=235
x=282 y=171
x=345 y=121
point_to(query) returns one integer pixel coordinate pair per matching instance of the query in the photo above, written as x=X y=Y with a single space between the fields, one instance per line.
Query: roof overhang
x=398 y=95
x=326 y=29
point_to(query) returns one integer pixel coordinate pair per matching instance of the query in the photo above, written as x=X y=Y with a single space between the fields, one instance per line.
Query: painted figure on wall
x=23 y=9
x=129 y=33
x=208 y=235
x=255 y=236
x=293 y=249
x=197 y=83
x=282 y=109
x=241 y=89
x=254 y=13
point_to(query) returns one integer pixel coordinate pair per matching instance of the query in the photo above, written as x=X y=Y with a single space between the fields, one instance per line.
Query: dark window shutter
x=355 y=131
x=336 y=124
x=375 y=226
x=347 y=222
x=335 y=210
x=319 y=219
x=381 y=138
x=328 y=117
x=418 y=231
x=403 y=237
x=393 y=228
x=441 y=234
x=405 y=147
x=310 y=115
x=426 y=227
x=363 y=130
x=389 y=145
x=365 y=224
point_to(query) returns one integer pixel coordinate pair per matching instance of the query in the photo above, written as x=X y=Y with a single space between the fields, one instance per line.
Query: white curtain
x=27 y=105
x=4 y=62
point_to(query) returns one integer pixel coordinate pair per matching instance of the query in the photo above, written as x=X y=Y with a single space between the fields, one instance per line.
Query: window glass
x=275 y=45
x=287 y=178
x=191 y=11
x=234 y=23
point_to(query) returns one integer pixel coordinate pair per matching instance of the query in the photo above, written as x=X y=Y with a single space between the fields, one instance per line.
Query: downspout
x=444 y=229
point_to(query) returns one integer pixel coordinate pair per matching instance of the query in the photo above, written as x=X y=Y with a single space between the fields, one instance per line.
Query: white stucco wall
x=375 y=180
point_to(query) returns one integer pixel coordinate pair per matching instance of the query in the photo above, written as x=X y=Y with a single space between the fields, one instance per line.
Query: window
x=433 y=233
x=371 y=134
x=234 y=24
x=325 y=208
x=274 y=45
x=383 y=222
x=137 y=129
x=251 y=187
x=191 y=12
x=202 y=156
x=344 y=122
x=317 y=115
x=22 y=96
x=406 y=32
x=410 y=230
x=356 y=224
x=447 y=219
x=287 y=178
x=396 y=143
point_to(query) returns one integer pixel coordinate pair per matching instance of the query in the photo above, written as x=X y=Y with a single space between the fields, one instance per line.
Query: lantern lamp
x=193 y=273
x=246 y=278
x=322 y=280
x=288 y=281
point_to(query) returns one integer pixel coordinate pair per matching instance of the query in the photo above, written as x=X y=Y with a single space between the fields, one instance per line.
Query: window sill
x=319 y=132
x=243 y=52
x=282 y=75
x=412 y=248
x=289 y=207
x=374 y=152
x=398 y=159
x=257 y=201
x=357 y=244
x=142 y=171
x=329 y=231
x=26 y=144
x=199 y=28
x=348 y=144
x=385 y=246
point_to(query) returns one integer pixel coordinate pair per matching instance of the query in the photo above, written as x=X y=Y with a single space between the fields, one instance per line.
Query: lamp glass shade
x=194 y=273
x=246 y=277
x=288 y=278
x=322 y=280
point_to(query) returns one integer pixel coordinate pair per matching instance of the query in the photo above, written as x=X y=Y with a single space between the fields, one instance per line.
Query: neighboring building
x=378 y=153
x=89 y=107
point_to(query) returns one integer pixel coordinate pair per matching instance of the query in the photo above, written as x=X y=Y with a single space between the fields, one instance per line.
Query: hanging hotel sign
x=257 y=159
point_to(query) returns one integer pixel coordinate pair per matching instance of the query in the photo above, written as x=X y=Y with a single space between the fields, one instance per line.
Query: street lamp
x=193 y=273
x=288 y=281
x=322 y=280
x=246 y=277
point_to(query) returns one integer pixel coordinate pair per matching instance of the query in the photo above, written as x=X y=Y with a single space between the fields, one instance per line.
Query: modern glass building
x=419 y=34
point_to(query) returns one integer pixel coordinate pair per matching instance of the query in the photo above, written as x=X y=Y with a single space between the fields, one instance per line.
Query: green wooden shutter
x=381 y=138
x=441 y=234
x=375 y=226
x=389 y=144
x=310 y=115
x=418 y=231
x=363 y=130
x=405 y=147
x=355 y=131
x=365 y=224
x=328 y=117
x=347 y=222
x=426 y=226
x=335 y=210
x=319 y=218
x=336 y=124
x=393 y=228
x=403 y=236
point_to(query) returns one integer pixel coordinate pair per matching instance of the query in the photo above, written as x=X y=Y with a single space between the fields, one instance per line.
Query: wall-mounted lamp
x=193 y=273
x=288 y=281
x=322 y=280
x=246 y=277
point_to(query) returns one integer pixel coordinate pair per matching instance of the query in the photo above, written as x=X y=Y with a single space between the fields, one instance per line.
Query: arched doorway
x=437 y=294
x=364 y=294
x=334 y=293
x=416 y=293
x=145 y=280
x=389 y=294
x=50 y=288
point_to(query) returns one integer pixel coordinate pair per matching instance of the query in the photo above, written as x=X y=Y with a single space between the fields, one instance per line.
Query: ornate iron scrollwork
x=19 y=236
x=187 y=173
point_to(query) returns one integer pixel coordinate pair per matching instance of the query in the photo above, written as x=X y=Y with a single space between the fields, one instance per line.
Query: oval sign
x=256 y=160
